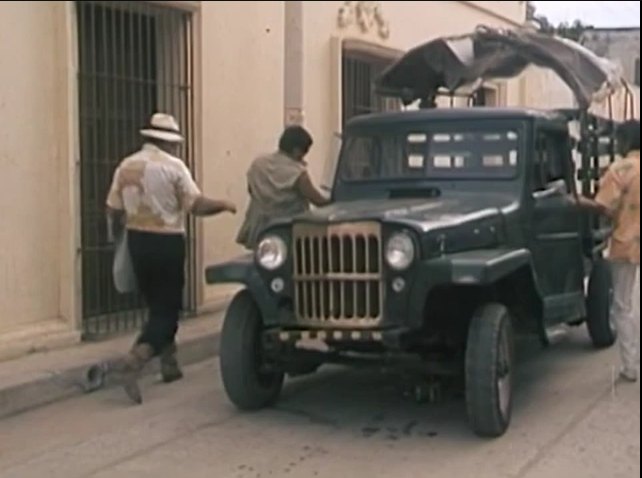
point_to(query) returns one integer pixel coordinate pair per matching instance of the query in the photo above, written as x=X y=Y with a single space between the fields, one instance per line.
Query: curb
x=64 y=384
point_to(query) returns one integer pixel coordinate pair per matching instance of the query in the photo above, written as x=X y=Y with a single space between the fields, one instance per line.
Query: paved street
x=569 y=422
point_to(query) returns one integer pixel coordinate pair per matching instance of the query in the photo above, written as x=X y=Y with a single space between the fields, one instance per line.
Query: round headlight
x=271 y=253
x=400 y=252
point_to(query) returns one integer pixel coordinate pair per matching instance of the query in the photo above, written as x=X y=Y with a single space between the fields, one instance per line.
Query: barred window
x=135 y=58
x=359 y=72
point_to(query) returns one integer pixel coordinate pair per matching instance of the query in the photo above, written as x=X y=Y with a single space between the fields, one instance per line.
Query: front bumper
x=392 y=338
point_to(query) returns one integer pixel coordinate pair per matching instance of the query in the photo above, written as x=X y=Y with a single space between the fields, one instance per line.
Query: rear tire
x=598 y=305
x=247 y=382
x=489 y=371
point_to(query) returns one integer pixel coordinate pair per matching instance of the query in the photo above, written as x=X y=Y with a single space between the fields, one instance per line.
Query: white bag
x=124 y=275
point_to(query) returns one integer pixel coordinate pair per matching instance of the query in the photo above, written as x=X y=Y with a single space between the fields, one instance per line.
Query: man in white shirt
x=151 y=193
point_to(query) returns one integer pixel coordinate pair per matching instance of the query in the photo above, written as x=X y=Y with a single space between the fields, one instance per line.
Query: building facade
x=621 y=45
x=80 y=78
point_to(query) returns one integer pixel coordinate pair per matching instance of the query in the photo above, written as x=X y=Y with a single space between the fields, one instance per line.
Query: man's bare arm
x=311 y=193
x=591 y=205
x=204 y=206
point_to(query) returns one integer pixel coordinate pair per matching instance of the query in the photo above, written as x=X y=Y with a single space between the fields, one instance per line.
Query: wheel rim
x=504 y=375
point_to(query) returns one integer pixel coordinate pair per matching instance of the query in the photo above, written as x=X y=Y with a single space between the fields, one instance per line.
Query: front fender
x=236 y=271
x=486 y=267
x=243 y=270
x=473 y=268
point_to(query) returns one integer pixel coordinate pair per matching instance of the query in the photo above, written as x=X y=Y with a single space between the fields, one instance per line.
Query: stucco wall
x=545 y=90
x=242 y=107
x=31 y=163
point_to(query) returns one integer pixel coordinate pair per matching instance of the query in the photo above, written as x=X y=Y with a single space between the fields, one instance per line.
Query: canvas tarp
x=456 y=62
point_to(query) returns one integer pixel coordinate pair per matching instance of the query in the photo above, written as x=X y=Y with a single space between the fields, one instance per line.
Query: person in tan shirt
x=279 y=186
x=619 y=199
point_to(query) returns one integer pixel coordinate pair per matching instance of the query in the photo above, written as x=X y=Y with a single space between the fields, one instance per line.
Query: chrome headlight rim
x=400 y=251
x=272 y=252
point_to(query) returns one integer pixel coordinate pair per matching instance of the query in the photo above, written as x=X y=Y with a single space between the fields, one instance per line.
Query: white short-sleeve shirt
x=155 y=190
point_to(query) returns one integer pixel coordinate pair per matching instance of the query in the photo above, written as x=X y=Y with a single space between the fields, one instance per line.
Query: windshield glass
x=457 y=154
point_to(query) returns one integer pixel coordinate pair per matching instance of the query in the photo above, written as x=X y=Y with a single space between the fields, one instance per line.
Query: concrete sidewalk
x=43 y=378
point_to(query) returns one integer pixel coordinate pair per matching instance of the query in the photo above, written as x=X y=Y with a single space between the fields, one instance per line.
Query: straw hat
x=163 y=127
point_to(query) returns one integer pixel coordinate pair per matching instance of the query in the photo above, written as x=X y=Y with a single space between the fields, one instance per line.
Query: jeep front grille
x=338 y=274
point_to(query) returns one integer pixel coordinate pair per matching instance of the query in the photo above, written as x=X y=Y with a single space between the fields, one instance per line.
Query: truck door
x=556 y=224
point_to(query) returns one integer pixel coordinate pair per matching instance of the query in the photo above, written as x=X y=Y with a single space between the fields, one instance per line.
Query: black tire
x=489 y=371
x=246 y=383
x=598 y=305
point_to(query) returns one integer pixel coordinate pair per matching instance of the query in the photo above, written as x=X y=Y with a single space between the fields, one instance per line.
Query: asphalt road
x=569 y=421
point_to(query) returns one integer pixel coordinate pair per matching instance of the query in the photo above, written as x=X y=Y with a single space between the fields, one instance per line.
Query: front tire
x=489 y=371
x=249 y=384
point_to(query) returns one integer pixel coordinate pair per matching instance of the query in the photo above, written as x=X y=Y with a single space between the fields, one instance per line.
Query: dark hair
x=295 y=137
x=628 y=135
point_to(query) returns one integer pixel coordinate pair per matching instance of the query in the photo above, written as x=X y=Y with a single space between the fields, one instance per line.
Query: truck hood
x=421 y=214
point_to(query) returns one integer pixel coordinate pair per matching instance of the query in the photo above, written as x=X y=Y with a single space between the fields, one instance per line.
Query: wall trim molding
x=370 y=48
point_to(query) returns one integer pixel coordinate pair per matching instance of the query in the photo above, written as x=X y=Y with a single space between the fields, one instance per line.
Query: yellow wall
x=29 y=161
x=242 y=106
x=544 y=89
x=36 y=236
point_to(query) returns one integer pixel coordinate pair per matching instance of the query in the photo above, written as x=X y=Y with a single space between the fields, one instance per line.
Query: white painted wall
x=242 y=107
x=30 y=163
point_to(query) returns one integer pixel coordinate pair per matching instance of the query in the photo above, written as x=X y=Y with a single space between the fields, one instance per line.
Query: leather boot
x=130 y=369
x=170 y=370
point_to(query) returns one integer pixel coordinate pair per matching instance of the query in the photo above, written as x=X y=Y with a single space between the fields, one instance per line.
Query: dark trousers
x=159 y=264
